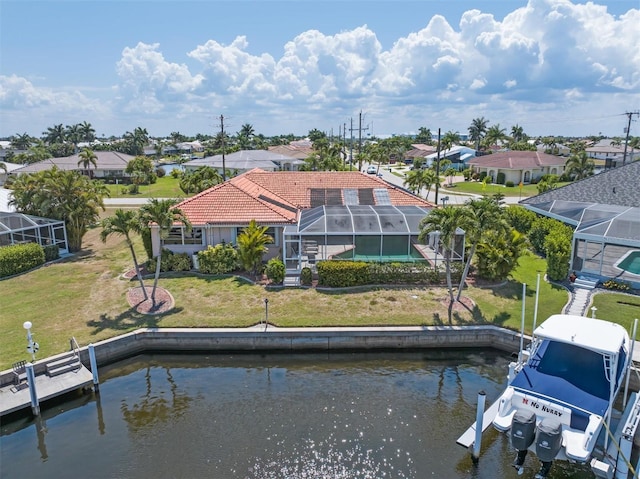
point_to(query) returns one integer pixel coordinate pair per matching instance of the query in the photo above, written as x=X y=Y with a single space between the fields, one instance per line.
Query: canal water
x=311 y=416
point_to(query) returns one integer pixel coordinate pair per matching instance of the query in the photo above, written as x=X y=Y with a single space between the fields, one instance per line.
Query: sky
x=554 y=67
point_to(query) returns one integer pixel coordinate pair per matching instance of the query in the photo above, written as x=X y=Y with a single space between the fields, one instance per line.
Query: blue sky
x=555 y=67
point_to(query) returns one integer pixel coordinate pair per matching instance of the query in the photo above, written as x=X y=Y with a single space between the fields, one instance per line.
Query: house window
x=181 y=236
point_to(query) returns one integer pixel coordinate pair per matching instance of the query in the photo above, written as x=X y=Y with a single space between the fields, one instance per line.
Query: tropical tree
x=579 y=166
x=136 y=141
x=517 y=134
x=484 y=214
x=495 y=135
x=202 y=178
x=424 y=136
x=252 y=243
x=163 y=215
x=64 y=195
x=477 y=129
x=445 y=222
x=124 y=223
x=245 y=136
x=73 y=134
x=88 y=159
x=449 y=139
x=21 y=142
x=551 y=144
x=54 y=134
x=141 y=170
x=87 y=132
x=498 y=253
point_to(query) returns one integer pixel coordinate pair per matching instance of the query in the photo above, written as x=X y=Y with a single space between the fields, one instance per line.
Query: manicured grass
x=85 y=297
x=165 y=187
x=617 y=307
x=479 y=188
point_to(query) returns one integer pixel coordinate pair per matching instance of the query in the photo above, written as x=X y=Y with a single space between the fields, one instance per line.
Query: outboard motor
x=523 y=432
x=548 y=444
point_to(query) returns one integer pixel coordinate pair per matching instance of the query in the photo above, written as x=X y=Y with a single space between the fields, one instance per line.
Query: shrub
x=51 y=252
x=176 y=173
x=306 y=276
x=500 y=178
x=557 y=247
x=340 y=274
x=219 y=259
x=616 y=284
x=180 y=262
x=275 y=270
x=509 y=184
x=160 y=172
x=520 y=218
x=539 y=230
x=19 y=258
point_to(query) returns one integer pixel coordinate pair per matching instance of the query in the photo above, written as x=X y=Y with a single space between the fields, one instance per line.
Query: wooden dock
x=14 y=398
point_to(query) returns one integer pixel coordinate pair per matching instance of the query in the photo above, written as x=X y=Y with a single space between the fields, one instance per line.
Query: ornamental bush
x=219 y=259
x=306 y=276
x=18 y=258
x=275 y=270
x=51 y=252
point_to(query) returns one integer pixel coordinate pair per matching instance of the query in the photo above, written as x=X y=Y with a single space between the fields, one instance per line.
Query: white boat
x=561 y=392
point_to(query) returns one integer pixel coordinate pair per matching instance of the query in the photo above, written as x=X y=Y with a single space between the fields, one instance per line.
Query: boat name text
x=541 y=407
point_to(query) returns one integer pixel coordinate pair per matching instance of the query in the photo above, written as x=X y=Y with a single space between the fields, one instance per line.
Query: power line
x=627 y=130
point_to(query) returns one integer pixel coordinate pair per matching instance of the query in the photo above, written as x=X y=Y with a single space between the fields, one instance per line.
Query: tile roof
x=276 y=197
x=517 y=160
x=106 y=160
x=617 y=186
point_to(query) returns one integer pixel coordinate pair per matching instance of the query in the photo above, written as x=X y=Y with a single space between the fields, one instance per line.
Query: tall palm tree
x=477 y=129
x=137 y=140
x=445 y=222
x=484 y=214
x=449 y=139
x=124 y=223
x=87 y=132
x=74 y=135
x=579 y=166
x=21 y=142
x=55 y=134
x=495 y=135
x=164 y=215
x=252 y=243
x=87 y=159
x=517 y=133
x=424 y=136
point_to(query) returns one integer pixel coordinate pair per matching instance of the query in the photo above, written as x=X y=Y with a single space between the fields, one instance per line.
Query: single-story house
x=310 y=215
x=109 y=165
x=9 y=167
x=518 y=166
x=298 y=151
x=419 y=151
x=459 y=156
x=246 y=160
x=604 y=211
x=606 y=155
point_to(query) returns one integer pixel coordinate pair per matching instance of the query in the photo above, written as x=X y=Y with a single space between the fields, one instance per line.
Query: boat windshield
x=583 y=368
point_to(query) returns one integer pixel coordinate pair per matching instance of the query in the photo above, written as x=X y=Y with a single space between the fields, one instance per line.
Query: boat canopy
x=597 y=335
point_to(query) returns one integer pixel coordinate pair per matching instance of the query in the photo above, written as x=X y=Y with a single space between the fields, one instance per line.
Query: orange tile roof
x=275 y=197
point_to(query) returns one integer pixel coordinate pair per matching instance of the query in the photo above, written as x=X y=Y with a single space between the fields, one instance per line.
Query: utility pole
x=438 y=168
x=360 y=130
x=224 y=167
x=351 y=146
x=628 y=129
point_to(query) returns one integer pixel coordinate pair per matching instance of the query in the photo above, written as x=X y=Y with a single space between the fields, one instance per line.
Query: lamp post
x=444 y=200
x=32 y=346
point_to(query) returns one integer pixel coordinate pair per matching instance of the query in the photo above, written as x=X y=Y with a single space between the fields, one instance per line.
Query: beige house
x=518 y=166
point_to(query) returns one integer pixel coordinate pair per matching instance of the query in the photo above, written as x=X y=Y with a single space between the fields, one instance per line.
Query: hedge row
x=341 y=274
x=18 y=258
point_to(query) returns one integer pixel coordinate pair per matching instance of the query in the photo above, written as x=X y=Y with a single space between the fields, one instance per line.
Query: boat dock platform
x=52 y=379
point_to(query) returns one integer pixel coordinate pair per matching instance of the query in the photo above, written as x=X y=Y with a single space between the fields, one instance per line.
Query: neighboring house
x=518 y=166
x=459 y=156
x=5 y=198
x=18 y=228
x=110 y=165
x=419 y=151
x=604 y=211
x=336 y=212
x=247 y=160
x=558 y=149
x=606 y=156
x=298 y=151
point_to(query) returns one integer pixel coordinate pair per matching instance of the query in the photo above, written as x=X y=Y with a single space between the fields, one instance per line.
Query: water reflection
x=272 y=416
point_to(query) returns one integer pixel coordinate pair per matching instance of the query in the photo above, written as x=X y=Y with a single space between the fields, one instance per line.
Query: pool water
x=630 y=262
x=414 y=256
x=312 y=416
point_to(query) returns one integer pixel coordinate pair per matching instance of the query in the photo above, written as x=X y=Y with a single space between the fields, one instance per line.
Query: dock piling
x=31 y=381
x=94 y=367
x=475 y=455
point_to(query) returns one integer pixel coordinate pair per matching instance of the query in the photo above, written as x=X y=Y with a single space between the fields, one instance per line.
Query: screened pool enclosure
x=17 y=228
x=360 y=232
x=606 y=238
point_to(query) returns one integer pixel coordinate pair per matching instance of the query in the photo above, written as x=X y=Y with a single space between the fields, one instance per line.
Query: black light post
x=266 y=313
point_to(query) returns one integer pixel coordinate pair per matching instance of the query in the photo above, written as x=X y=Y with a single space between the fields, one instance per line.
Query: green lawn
x=480 y=188
x=617 y=307
x=165 y=187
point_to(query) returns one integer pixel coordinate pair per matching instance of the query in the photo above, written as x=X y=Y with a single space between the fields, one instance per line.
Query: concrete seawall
x=258 y=339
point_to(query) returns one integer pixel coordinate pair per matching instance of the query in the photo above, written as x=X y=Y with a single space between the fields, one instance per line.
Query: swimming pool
x=630 y=262
x=414 y=256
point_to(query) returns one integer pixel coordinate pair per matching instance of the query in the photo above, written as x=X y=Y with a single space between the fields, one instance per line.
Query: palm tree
x=124 y=223
x=517 y=133
x=579 y=166
x=87 y=132
x=252 y=243
x=477 y=130
x=424 y=136
x=485 y=214
x=87 y=159
x=74 y=135
x=137 y=140
x=203 y=178
x=55 y=134
x=445 y=222
x=449 y=139
x=495 y=135
x=21 y=142
x=163 y=214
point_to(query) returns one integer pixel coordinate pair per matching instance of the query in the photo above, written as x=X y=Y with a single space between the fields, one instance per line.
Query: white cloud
x=550 y=54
